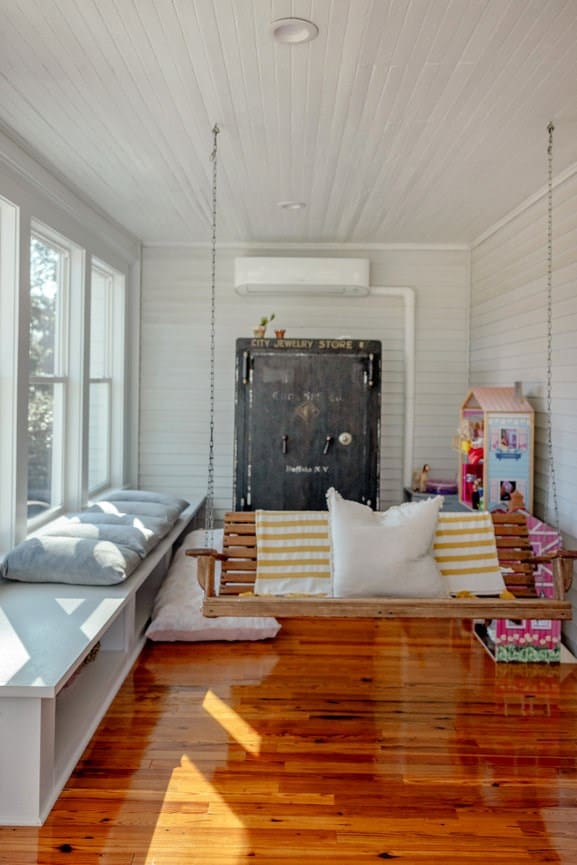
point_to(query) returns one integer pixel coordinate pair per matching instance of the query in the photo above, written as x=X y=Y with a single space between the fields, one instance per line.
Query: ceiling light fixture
x=294 y=31
x=291 y=205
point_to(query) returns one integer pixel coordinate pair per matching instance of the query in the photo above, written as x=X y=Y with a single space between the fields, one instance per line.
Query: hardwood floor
x=346 y=741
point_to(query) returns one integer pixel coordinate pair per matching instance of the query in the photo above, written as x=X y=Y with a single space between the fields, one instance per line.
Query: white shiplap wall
x=509 y=336
x=175 y=349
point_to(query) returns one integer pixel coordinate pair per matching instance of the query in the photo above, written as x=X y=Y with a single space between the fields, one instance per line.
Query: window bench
x=64 y=653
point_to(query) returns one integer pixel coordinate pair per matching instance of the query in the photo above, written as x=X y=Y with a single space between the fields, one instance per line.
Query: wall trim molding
x=43 y=181
x=525 y=205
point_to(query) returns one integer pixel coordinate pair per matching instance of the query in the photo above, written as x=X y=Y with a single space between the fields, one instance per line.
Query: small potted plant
x=260 y=329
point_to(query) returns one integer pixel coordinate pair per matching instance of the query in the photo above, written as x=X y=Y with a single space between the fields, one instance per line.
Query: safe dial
x=345 y=438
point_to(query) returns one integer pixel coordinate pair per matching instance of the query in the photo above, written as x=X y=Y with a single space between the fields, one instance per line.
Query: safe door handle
x=284 y=444
x=371 y=371
x=328 y=442
x=245 y=367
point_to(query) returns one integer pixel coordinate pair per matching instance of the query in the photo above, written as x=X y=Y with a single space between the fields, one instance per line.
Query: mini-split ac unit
x=302 y=276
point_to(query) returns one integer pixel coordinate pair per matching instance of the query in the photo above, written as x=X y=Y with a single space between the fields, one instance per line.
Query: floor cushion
x=177 y=613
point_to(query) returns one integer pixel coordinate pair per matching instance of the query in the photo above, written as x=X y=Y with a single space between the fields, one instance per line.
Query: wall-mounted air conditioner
x=302 y=276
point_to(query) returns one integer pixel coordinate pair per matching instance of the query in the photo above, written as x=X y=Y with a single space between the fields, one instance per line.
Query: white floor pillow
x=386 y=554
x=177 y=613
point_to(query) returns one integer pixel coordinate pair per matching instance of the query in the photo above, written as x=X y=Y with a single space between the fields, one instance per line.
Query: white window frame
x=22 y=216
x=9 y=318
x=68 y=377
x=114 y=375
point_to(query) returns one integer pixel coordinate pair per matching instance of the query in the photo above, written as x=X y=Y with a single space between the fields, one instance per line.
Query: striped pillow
x=293 y=553
x=466 y=553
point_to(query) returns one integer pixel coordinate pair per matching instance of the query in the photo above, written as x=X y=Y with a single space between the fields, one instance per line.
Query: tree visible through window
x=48 y=266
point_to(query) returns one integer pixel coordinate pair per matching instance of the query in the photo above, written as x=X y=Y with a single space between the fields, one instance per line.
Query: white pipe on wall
x=407 y=293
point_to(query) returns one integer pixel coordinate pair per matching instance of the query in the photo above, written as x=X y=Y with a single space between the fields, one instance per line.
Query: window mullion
x=107 y=378
x=48 y=379
x=9 y=258
x=61 y=353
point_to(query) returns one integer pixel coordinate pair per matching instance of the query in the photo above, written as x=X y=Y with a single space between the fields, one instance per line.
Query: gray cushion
x=151 y=509
x=98 y=546
x=126 y=536
x=148 y=496
x=154 y=528
x=69 y=560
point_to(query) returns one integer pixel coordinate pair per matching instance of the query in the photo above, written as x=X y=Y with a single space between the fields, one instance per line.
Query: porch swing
x=238 y=562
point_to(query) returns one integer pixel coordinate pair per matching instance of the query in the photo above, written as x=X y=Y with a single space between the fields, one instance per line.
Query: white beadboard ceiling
x=405 y=121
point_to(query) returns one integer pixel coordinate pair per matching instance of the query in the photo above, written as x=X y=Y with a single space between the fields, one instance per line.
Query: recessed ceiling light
x=291 y=205
x=294 y=31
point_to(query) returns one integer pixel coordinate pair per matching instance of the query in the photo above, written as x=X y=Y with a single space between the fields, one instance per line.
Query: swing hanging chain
x=210 y=481
x=549 y=387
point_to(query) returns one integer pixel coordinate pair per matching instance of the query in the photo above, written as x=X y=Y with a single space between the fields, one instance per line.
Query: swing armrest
x=561 y=562
x=197 y=552
x=558 y=554
x=205 y=575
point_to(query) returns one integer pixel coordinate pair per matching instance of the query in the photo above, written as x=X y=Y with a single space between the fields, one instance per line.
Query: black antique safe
x=307 y=417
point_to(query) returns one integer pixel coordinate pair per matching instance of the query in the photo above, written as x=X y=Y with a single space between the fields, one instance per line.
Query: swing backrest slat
x=514 y=549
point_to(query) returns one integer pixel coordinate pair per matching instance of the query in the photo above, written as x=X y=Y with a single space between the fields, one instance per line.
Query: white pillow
x=177 y=613
x=385 y=554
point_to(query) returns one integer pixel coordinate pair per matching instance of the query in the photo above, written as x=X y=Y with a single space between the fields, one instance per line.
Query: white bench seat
x=51 y=701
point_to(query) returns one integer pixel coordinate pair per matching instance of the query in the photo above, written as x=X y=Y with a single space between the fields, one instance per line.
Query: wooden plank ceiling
x=405 y=121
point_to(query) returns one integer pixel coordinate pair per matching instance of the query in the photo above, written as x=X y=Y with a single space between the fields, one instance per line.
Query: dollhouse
x=495 y=448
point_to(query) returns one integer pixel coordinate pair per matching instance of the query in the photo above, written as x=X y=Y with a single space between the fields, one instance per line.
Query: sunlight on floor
x=204 y=805
x=231 y=721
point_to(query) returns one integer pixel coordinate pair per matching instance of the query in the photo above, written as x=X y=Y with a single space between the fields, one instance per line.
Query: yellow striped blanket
x=466 y=554
x=293 y=553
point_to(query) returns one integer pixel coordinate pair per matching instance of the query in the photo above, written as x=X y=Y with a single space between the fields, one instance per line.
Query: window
x=65 y=408
x=76 y=376
x=49 y=288
x=106 y=394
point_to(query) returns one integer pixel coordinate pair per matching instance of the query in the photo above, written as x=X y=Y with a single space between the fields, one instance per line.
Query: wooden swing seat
x=239 y=564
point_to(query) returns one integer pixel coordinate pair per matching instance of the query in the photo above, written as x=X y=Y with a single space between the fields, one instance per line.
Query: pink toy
x=442 y=488
x=533 y=640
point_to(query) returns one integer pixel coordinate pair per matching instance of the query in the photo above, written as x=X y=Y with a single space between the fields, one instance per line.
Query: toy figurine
x=477 y=495
x=423 y=478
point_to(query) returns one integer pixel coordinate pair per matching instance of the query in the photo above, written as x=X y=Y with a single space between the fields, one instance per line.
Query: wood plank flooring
x=342 y=741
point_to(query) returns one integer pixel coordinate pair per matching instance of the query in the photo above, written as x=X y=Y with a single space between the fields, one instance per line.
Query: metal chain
x=550 y=455
x=210 y=481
